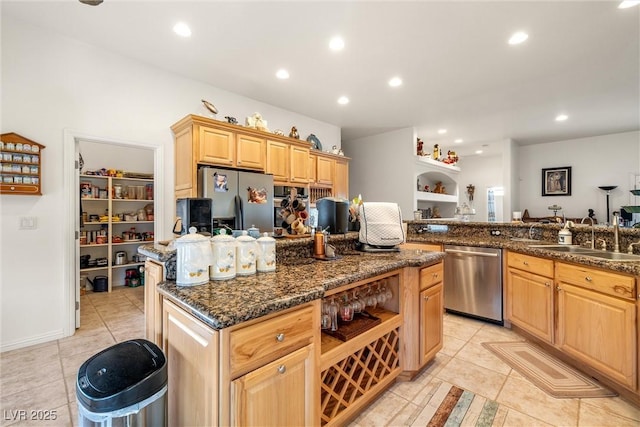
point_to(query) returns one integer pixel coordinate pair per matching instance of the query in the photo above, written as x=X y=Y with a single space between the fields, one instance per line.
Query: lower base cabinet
x=153 y=274
x=191 y=349
x=276 y=394
x=529 y=303
x=431 y=322
x=600 y=331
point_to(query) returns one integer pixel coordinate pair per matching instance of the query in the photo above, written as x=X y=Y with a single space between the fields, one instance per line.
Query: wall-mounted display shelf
x=20 y=165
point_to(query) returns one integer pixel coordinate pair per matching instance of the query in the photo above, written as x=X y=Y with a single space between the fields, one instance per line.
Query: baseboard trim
x=38 y=339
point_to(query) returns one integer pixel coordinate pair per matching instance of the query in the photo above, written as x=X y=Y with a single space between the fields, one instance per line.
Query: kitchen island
x=250 y=350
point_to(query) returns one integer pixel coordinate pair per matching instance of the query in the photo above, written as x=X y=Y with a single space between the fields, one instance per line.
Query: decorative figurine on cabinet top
x=294 y=133
x=419 y=148
x=278 y=132
x=257 y=122
x=231 y=120
x=209 y=106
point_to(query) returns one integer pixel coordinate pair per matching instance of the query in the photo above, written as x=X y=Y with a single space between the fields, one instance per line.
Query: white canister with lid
x=246 y=251
x=193 y=258
x=266 y=254
x=223 y=260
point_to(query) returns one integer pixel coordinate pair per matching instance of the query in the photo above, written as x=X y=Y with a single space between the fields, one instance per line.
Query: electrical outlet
x=496 y=232
x=28 y=222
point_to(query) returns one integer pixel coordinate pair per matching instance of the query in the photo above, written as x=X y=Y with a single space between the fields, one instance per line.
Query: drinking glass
x=333 y=312
x=357 y=303
x=370 y=299
x=380 y=294
x=325 y=318
x=346 y=310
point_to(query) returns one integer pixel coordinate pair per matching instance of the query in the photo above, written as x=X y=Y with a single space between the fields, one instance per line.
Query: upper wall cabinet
x=21 y=162
x=204 y=141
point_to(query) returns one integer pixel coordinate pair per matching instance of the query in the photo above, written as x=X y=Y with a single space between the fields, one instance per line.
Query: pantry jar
x=266 y=253
x=246 y=251
x=223 y=260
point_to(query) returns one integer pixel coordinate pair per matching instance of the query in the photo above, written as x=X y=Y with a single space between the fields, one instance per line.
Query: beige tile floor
x=42 y=377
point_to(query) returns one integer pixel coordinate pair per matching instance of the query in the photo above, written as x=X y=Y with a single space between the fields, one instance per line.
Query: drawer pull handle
x=280 y=337
x=282 y=369
x=547 y=284
x=558 y=288
x=588 y=279
x=435 y=275
x=426 y=297
x=525 y=262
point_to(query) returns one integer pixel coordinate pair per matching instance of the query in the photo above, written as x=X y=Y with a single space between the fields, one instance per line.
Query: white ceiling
x=582 y=58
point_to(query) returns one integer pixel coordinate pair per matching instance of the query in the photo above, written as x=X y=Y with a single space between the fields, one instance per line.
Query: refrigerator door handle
x=239 y=213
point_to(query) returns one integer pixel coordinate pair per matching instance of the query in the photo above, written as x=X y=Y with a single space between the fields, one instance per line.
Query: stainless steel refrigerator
x=239 y=199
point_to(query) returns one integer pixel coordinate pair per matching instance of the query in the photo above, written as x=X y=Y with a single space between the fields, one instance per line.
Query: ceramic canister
x=193 y=258
x=223 y=261
x=266 y=254
x=246 y=251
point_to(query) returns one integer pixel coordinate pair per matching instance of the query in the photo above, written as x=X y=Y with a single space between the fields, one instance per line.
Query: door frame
x=71 y=249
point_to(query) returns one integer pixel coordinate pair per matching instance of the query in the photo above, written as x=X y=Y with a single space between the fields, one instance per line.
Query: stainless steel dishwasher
x=473 y=282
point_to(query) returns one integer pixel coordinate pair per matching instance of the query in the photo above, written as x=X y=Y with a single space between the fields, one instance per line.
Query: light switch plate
x=28 y=222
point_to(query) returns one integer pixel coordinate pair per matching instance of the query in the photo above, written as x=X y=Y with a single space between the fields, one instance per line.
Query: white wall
x=595 y=161
x=51 y=83
x=482 y=172
x=382 y=168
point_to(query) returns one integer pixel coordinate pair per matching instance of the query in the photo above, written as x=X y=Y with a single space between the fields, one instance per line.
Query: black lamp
x=608 y=189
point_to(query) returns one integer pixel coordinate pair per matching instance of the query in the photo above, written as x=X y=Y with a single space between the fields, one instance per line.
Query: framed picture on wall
x=556 y=181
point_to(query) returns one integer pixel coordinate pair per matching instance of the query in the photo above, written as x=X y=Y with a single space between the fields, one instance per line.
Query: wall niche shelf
x=430 y=172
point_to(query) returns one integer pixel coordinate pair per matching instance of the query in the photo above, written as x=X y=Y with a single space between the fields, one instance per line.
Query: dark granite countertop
x=221 y=304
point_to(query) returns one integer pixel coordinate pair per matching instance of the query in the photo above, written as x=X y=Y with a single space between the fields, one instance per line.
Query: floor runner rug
x=549 y=374
x=454 y=410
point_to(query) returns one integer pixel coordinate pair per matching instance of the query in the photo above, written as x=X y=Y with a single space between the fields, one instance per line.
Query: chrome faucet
x=531 y=231
x=616 y=232
x=593 y=242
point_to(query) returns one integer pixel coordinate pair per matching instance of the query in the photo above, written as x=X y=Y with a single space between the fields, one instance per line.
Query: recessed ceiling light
x=282 y=74
x=343 y=100
x=442 y=131
x=395 y=82
x=182 y=29
x=478 y=151
x=628 y=3
x=518 y=37
x=336 y=43
x=459 y=141
x=561 y=117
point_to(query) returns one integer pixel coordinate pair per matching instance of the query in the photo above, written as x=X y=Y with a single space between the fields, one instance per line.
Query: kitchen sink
x=578 y=250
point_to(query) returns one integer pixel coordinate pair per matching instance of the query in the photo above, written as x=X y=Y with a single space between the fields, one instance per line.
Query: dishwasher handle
x=485 y=254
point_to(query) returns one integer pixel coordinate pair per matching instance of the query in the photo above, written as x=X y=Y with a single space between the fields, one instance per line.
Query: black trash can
x=123 y=385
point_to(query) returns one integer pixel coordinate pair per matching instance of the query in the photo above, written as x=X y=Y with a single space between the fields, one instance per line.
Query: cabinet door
x=429 y=247
x=215 y=146
x=277 y=394
x=251 y=152
x=599 y=330
x=153 y=274
x=185 y=168
x=191 y=350
x=341 y=179
x=530 y=303
x=324 y=171
x=278 y=160
x=299 y=170
x=431 y=315
x=313 y=165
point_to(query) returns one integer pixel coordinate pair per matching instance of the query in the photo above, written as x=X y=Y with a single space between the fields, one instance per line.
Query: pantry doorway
x=76 y=148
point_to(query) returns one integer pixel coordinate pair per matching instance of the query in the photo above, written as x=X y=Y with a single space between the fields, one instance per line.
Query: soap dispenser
x=564 y=235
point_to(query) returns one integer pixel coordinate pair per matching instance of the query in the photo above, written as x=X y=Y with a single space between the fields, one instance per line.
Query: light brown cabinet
x=299 y=168
x=428 y=247
x=313 y=165
x=596 y=327
x=216 y=146
x=153 y=274
x=431 y=322
x=20 y=165
x=530 y=296
x=324 y=171
x=191 y=350
x=341 y=179
x=277 y=394
x=278 y=161
x=250 y=152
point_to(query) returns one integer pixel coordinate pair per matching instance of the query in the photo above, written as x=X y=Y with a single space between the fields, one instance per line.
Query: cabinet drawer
x=260 y=343
x=532 y=264
x=615 y=284
x=429 y=276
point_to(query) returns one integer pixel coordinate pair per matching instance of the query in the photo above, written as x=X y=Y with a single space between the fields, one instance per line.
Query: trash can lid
x=121 y=375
